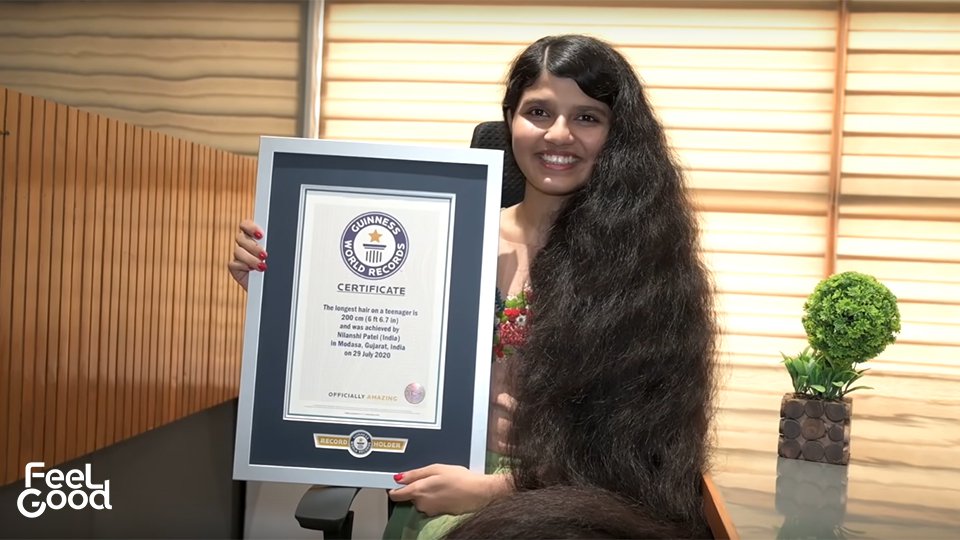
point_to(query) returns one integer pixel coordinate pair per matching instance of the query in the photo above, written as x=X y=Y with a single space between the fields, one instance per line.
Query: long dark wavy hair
x=615 y=383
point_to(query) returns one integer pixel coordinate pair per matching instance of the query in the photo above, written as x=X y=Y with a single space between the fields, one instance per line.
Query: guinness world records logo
x=361 y=443
x=374 y=245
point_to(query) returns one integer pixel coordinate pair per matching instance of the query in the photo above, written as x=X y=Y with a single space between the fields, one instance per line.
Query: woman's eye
x=587 y=118
x=537 y=112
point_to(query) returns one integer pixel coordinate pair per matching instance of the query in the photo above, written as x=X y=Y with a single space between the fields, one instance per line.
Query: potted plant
x=849 y=318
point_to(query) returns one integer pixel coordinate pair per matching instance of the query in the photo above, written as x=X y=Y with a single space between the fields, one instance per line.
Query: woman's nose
x=559 y=132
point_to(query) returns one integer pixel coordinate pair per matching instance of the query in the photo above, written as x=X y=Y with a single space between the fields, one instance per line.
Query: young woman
x=604 y=356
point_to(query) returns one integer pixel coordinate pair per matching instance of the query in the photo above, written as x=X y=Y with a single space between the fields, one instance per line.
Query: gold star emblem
x=375 y=236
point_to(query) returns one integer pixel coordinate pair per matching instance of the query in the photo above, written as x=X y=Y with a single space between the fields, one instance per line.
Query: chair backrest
x=494 y=135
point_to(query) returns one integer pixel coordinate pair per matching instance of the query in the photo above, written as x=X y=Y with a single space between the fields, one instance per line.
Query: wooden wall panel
x=67 y=371
x=218 y=73
x=7 y=194
x=107 y=163
x=18 y=371
x=42 y=283
x=90 y=290
x=116 y=313
x=180 y=267
x=57 y=363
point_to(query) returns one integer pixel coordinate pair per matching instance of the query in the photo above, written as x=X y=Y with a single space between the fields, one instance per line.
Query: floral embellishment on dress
x=511 y=318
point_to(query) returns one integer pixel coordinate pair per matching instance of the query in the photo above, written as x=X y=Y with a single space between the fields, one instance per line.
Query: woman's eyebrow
x=541 y=102
x=592 y=109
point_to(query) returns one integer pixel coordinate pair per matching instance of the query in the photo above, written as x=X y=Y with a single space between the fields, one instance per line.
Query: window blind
x=217 y=73
x=746 y=96
x=791 y=180
x=900 y=190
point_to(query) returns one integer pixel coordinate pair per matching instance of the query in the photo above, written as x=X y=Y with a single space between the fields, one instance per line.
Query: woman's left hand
x=449 y=489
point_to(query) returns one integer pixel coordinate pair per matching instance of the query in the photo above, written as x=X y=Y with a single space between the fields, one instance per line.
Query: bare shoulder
x=509 y=228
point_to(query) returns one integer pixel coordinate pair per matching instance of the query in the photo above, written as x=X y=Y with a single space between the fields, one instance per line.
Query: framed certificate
x=367 y=344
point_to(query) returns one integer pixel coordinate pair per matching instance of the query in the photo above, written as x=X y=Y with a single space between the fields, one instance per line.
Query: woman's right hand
x=449 y=489
x=247 y=253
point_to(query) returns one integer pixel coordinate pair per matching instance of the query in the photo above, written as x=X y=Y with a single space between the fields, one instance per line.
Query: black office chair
x=494 y=135
x=327 y=508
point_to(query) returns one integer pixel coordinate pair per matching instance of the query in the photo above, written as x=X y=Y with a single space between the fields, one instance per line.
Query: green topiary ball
x=851 y=317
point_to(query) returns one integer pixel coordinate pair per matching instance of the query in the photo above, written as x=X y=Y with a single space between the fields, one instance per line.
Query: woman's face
x=557 y=133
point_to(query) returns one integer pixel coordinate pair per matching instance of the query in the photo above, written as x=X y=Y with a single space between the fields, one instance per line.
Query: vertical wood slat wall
x=116 y=312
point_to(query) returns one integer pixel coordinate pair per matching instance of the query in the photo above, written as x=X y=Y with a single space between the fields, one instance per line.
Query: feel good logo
x=65 y=488
x=374 y=245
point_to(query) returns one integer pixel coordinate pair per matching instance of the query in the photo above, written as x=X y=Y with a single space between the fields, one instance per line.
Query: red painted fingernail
x=258 y=235
x=263 y=255
x=398 y=477
x=262 y=267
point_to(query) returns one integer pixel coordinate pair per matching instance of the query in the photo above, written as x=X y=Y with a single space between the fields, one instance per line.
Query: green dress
x=406 y=523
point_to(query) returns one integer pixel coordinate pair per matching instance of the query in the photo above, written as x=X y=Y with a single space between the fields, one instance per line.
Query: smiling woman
x=609 y=377
x=557 y=133
x=609 y=382
x=613 y=386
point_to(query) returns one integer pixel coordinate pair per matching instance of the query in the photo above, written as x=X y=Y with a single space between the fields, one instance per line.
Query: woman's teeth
x=558 y=160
